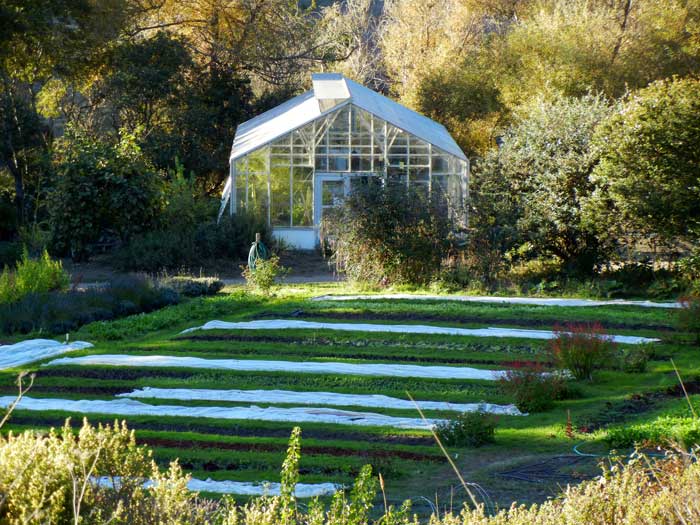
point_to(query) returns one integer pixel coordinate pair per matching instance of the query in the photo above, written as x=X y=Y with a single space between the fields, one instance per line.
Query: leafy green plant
x=32 y=276
x=533 y=388
x=689 y=316
x=580 y=348
x=635 y=359
x=265 y=275
x=663 y=431
x=469 y=429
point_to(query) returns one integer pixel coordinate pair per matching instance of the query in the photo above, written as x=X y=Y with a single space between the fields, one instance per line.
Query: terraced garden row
x=252 y=450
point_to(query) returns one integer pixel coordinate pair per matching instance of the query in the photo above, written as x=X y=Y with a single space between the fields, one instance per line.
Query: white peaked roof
x=329 y=91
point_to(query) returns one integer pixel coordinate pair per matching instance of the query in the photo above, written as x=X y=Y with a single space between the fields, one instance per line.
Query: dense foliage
x=648 y=174
x=689 y=316
x=532 y=387
x=468 y=429
x=385 y=234
x=100 y=188
x=186 y=234
x=546 y=160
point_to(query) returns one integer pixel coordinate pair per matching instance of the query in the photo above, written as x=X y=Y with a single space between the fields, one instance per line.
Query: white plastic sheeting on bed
x=35 y=349
x=315 y=398
x=243 y=488
x=536 y=301
x=293 y=324
x=302 y=367
x=130 y=407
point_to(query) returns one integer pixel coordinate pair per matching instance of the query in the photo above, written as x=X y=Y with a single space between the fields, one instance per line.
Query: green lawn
x=408 y=459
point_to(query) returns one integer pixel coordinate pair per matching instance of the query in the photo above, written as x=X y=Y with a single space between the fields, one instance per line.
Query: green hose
x=258 y=251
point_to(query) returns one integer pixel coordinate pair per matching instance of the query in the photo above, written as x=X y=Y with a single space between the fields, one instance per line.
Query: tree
x=575 y=46
x=649 y=173
x=100 y=187
x=271 y=40
x=144 y=78
x=354 y=27
x=44 y=40
x=185 y=111
x=547 y=160
x=467 y=101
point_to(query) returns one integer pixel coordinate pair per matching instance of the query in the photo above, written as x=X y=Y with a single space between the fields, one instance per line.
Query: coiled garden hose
x=258 y=251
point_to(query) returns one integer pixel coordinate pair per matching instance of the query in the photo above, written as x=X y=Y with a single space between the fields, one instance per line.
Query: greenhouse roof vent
x=330 y=89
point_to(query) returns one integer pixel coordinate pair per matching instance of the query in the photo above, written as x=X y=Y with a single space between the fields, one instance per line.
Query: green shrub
x=532 y=387
x=386 y=234
x=689 y=268
x=173 y=249
x=664 y=431
x=469 y=429
x=634 y=359
x=62 y=312
x=689 y=316
x=581 y=348
x=264 y=277
x=100 y=187
x=32 y=276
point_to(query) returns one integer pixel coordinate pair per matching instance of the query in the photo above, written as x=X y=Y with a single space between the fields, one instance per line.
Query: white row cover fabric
x=529 y=301
x=130 y=407
x=300 y=367
x=243 y=488
x=24 y=352
x=286 y=324
x=311 y=105
x=315 y=398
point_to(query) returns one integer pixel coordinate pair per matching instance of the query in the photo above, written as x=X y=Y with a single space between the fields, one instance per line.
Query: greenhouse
x=305 y=156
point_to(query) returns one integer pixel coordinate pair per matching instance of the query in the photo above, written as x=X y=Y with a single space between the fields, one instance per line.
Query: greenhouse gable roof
x=331 y=90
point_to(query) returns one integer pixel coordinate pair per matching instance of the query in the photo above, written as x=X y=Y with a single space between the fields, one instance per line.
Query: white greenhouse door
x=330 y=191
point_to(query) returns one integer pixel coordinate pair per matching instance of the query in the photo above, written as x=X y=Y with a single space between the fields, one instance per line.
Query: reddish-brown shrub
x=581 y=348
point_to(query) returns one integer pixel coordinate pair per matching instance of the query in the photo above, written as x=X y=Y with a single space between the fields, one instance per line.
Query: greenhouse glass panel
x=303 y=199
x=280 y=195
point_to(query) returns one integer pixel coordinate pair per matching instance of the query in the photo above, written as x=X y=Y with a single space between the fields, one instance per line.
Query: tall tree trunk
x=627 y=8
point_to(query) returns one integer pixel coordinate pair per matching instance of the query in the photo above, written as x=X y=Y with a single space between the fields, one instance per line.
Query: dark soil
x=637 y=404
x=360 y=356
x=265 y=447
x=86 y=390
x=411 y=316
x=282 y=432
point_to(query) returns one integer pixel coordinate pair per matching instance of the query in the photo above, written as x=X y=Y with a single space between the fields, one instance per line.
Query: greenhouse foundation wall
x=297 y=238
